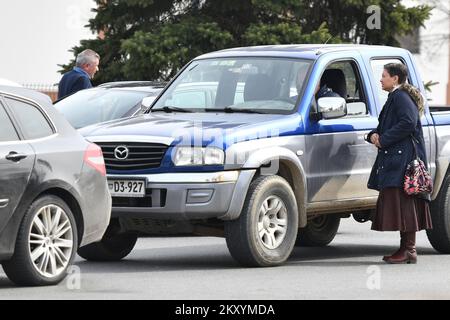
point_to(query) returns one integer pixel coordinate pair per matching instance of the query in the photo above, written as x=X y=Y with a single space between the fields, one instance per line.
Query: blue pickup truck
x=238 y=145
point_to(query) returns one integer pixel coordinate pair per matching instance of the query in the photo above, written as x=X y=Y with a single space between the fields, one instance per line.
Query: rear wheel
x=265 y=232
x=45 y=245
x=319 y=231
x=439 y=236
x=114 y=245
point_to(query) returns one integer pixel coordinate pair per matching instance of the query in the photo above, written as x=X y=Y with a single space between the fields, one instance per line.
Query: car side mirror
x=146 y=103
x=332 y=107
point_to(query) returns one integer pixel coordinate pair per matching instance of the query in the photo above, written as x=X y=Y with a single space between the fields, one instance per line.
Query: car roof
x=134 y=85
x=38 y=97
x=309 y=51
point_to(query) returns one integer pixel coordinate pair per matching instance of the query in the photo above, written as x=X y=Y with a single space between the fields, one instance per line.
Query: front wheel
x=45 y=245
x=264 y=234
x=114 y=245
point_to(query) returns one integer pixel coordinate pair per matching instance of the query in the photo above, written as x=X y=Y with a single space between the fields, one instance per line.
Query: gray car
x=53 y=192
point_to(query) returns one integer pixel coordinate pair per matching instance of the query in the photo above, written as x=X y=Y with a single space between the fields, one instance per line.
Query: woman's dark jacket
x=397 y=121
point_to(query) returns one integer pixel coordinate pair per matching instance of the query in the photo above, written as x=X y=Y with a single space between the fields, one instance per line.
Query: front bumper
x=186 y=195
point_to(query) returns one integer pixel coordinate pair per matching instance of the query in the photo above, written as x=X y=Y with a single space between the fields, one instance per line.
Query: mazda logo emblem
x=121 y=152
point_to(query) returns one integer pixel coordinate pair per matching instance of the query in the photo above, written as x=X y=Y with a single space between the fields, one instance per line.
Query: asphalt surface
x=201 y=268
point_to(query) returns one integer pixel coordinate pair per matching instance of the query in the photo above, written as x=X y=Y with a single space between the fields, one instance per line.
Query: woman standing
x=399 y=122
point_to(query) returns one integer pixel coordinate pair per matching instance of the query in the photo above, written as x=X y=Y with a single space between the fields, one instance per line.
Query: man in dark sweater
x=79 y=78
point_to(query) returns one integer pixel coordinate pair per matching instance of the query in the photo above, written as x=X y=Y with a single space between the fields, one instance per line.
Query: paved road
x=201 y=268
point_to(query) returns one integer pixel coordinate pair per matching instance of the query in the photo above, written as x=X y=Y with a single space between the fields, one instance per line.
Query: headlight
x=213 y=156
x=194 y=156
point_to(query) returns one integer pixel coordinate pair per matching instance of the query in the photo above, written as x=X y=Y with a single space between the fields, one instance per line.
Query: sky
x=36 y=36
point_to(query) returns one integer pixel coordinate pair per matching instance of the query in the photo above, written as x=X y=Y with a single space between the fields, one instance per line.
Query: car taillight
x=94 y=157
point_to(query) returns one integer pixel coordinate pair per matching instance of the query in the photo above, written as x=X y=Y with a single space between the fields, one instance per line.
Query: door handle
x=4 y=203
x=15 y=157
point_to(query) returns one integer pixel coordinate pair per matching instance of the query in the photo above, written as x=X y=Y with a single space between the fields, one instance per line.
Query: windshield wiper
x=169 y=109
x=234 y=110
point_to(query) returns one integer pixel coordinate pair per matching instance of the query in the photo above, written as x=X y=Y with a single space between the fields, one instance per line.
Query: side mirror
x=146 y=103
x=332 y=107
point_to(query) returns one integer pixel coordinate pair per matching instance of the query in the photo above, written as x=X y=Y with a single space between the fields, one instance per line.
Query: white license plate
x=127 y=188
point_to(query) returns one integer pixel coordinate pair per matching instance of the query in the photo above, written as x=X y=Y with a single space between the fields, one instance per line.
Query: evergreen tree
x=153 y=39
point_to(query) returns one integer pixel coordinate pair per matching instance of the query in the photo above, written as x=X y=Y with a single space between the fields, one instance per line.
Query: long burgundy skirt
x=397 y=211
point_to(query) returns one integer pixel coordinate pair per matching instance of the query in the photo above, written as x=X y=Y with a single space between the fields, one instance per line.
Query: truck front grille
x=126 y=156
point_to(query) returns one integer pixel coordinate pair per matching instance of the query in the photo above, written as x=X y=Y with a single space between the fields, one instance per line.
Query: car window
x=97 y=105
x=239 y=95
x=344 y=78
x=190 y=99
x=7 y=130
x=377 y=69
x=32 y=122
x=269 y=85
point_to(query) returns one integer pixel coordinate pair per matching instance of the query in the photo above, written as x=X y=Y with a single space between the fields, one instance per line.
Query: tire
x=319 y=232
x=114 y=246
x=248 y=238
x=439 y=236
x=45 y=245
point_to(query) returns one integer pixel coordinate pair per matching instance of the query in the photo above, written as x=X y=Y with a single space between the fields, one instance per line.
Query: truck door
x=340 y=159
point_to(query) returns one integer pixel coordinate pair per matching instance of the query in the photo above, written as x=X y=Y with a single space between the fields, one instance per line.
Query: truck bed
x=440 y=115
x=439 y=108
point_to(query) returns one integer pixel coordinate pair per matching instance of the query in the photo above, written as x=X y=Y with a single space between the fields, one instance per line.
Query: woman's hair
x=397 y=69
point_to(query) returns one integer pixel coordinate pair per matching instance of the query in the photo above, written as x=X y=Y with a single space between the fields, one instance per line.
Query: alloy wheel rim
x=272 y=222
x=50 y=241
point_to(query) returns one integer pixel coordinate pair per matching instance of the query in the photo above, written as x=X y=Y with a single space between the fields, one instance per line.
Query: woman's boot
x=408 y=254
x=402 y=246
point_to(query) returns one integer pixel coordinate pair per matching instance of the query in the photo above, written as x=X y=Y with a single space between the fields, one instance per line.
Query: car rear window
x=33 y=123
x=7 y=131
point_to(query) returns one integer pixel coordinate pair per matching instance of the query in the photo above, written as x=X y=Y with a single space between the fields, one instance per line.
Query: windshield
x=266 y=85
x=93 y=106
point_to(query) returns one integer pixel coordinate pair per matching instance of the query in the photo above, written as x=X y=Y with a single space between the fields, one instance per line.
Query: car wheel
x=264 y=234
x=319 y=231
x=45 y=245
x=439 y=236
x=114 y=246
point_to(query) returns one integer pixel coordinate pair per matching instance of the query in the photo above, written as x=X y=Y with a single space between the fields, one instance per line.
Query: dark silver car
x=53 y=192
x=109 y=101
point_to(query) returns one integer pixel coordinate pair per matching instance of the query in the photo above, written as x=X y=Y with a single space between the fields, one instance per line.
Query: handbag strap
x=414 y=142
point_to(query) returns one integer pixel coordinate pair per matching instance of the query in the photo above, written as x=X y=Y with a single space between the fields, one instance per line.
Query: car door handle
x=14 y=156
x=4 y=203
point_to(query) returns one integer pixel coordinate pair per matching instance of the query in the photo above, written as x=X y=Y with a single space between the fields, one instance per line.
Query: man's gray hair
x=87 y=56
